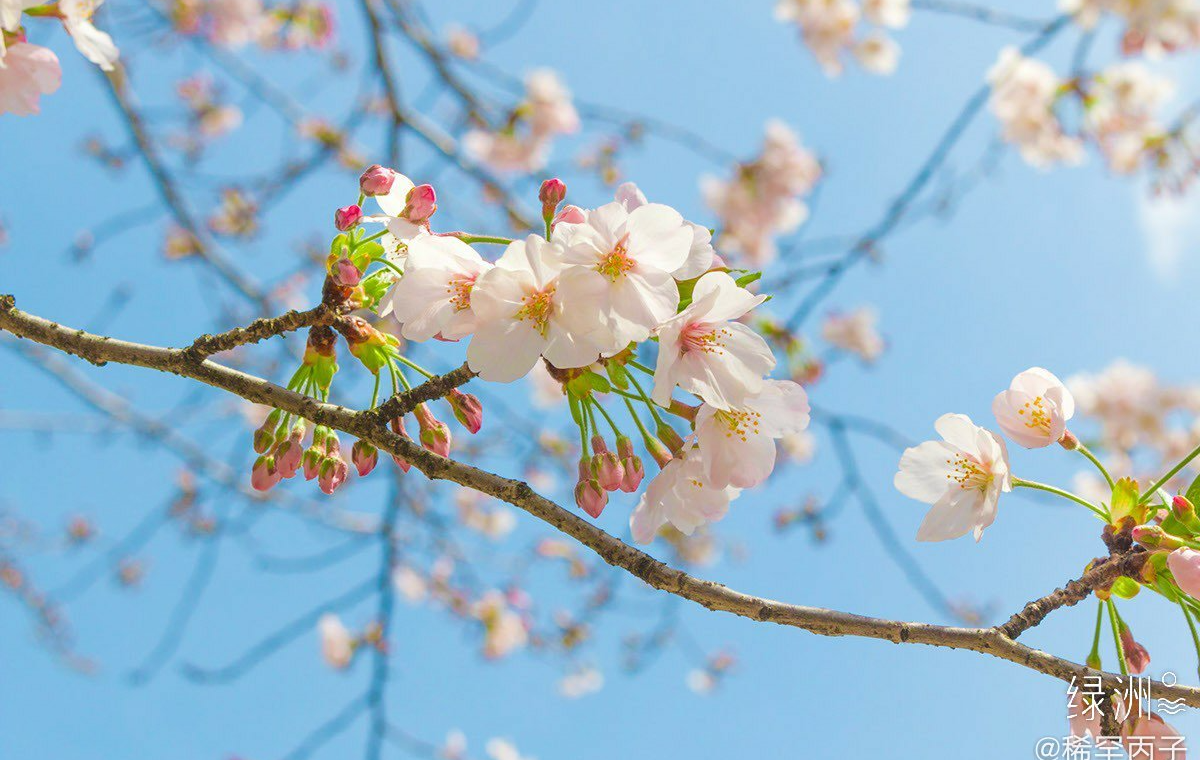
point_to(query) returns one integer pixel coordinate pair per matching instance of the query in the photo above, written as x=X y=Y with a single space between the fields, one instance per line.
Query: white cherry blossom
x=627 y=259
x=700 y=255
x=962 y=476
x=520 y=315
x=95 y=45
x=26 y=73
x=337 y=645
x=739 y=444
x=704 y=352
x=1034 y=411
x=679 y=495
x=433 y=298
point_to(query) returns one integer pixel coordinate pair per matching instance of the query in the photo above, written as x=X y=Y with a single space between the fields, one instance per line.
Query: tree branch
x=714 y=596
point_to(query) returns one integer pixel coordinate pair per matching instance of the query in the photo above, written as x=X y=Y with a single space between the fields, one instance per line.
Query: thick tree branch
x=714 y=596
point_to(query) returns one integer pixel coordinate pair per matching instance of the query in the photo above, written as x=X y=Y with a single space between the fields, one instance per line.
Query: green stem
x=410 y=363
x=616 y=430
x=1191 y=627
x=1019 y=483
x=1092 y=458
x=390 y=266
x=374 y=236
x=375 y=392
x=468 y=239
x=637 y=421
x=1174 y=470
x=1116 y=629
x=646 y=400
x=1094 y=655
x=638 y=365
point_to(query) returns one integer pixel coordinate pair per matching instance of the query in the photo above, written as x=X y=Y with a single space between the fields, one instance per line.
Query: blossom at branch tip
x=962 y=476
x=1033 y=412
x=433 y=299
x=855 y=332
x=680 y=496
x=705 y=352
x=1024 y=94
x=519 y=313
x=26 y=73
x=739 y=444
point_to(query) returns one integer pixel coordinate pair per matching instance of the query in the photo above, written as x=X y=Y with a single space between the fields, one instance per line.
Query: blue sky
x=1068 y=269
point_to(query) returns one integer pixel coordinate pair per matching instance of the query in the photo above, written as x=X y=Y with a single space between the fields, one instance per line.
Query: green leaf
x=1126 y=587
x=340 y=245
x=746 y=279
x=573 y=402
x=1193 y=492
x=597 y=382
x=618 y=374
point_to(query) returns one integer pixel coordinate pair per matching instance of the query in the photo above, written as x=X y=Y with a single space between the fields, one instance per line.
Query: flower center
x=703 y=336
x=740 y=423
x=616 y=262
x=968 y=473
x=536 y=308
x=1039 y=418
x=459 y=287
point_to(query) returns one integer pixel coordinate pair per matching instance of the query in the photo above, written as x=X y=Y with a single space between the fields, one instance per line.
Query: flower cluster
x=236 y=23
x=1153 y=29
x=584 y=305
x=523 y=143
x=830 y=29
x=1118 y=106
x=28 y=71
x=765 y=197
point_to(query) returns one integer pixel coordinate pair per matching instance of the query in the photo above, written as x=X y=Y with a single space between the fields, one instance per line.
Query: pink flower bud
x=1136 y=656
x=436 y=438
x=570 y=215
x=264 y=474
x=633 y=474
x=347 y=217
x=345 y=273
x=397 y=426
x=420 y=204
x=467 y=410
x=364 y=456
x=1069 y=441
x=290 y=453
x=607 y=471
x=376 y=180
x=552 y=193
x=1185 y=567
x=333 y=473
x=1183 y=509
x=624 y=447
x=590 y=497
x=333 y=447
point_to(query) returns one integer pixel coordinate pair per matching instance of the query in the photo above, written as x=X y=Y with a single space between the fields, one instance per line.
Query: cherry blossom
x=1024 y=94
x=1034 y=411
x=504 y=629
x=433 y=299
x=618 y=278
x=520 y=315
x=549 y=102
x=26 y=73
x=1184 y=564
x=679 y=496
x=855 y=332
x=700 y=255
x=739 y=444
x=764 y=197
x=1120 y=112
x=702 y=351
x=830 y=28
x=962 y=476
x=95 y=45
x=337 y=645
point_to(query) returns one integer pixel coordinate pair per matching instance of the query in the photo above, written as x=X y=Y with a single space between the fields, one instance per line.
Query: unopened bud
x=376 y=180
x=347 y=217
x=1154 y=537
x=467 y=410
x=1068 y=441
x=289 y=454
x=364 y=456
x=344 y=273
x=420 y=204
x=1183 y=509
x=332 y=474
x=435 y=436
x=397 y=426
x=263 y=440
x=590 y=497
x=311 y=462
x=552 y=193
x=632 y=465
x=1093 y=661
x=1136 y=656
x=264 y=475
x=607 y=470
x=624 y=447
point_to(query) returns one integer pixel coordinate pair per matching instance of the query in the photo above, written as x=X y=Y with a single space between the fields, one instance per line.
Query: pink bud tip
x=590 y=497
x=1182 y=506
x=608 y=470
x=467 y=410
x=376 y=180
x=364 y=456
x=264 y=474
x=633 y=474
x=420 y=204
x=347 y=217
x=345 y=273
x=435 y=437
x=552 y=193
x=333 y=473
x=570 y=215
